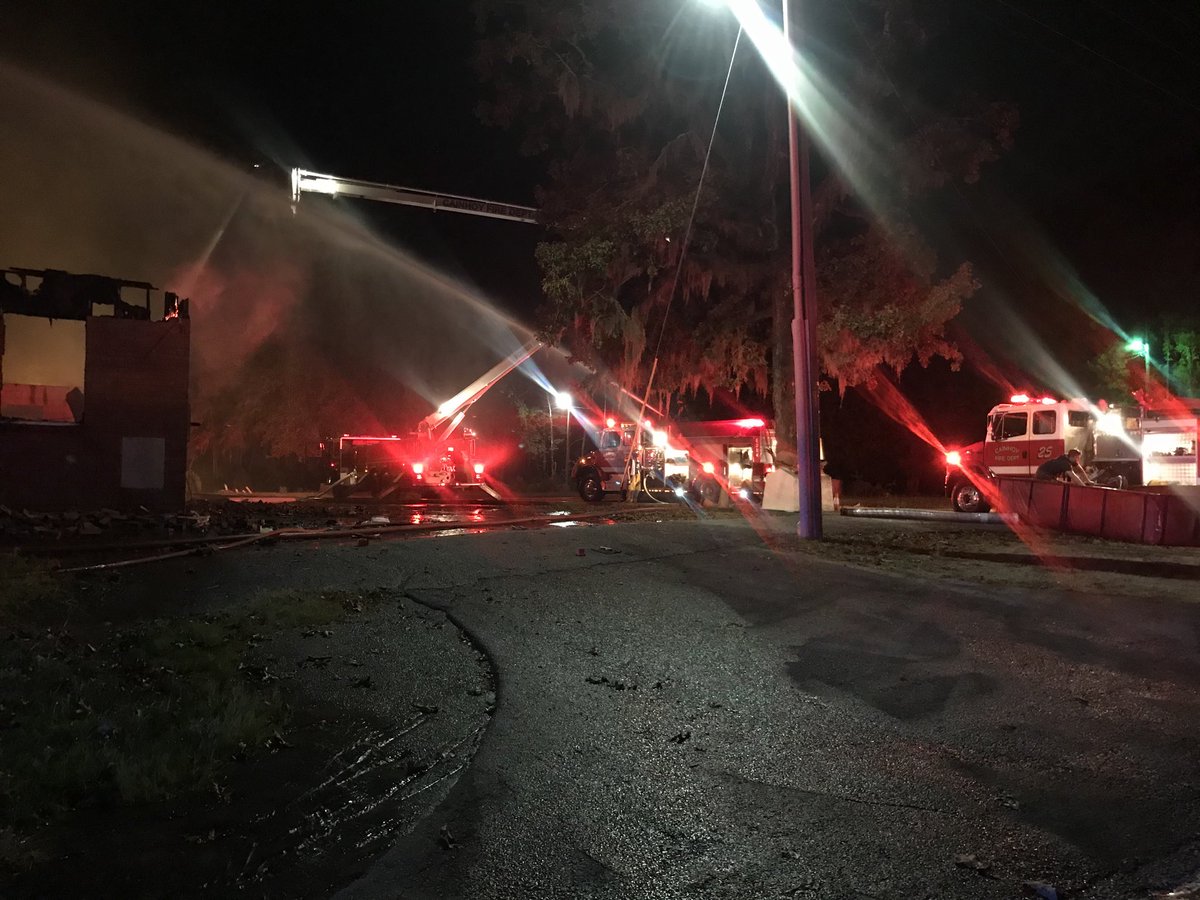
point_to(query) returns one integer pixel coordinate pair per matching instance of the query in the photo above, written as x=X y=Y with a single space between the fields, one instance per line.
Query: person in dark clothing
x=1066 y=466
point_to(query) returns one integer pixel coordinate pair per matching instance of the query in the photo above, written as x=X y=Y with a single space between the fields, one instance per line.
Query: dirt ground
x=1029 y=559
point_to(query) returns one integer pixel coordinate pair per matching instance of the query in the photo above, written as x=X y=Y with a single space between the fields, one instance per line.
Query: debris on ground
x=974 y=863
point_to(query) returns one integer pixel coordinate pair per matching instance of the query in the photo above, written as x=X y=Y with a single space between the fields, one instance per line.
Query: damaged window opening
x=42 y=361
x=43 y=336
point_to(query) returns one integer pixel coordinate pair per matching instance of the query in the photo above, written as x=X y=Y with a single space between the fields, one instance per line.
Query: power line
x=1087 y=48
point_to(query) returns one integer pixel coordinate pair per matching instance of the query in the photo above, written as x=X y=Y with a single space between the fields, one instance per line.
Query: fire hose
x=203 y=546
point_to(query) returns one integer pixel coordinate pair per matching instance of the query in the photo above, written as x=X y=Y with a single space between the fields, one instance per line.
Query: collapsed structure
x=93 y=392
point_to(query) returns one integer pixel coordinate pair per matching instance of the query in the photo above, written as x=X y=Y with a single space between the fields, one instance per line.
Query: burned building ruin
x=93 y=392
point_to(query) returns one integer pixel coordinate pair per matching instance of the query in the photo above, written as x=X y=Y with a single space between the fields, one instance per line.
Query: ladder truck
x=435 y=455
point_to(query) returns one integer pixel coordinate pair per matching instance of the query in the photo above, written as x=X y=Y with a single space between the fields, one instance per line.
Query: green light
x=1137 y=345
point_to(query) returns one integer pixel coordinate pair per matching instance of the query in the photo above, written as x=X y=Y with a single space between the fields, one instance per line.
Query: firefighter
x=1066 y=466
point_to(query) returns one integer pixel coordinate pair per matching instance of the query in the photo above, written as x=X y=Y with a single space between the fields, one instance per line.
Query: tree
x=1117 y=373
x=535 y=428
x=620 y=97
x=1180 y=350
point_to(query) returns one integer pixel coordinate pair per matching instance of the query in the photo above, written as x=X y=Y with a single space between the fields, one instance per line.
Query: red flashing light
x=610 y=422
x=478 y=468
x=418 y=468
x=709 y=468
x=954 y=458
x=1049 y=401
x=1019 y=398
x=749 y=423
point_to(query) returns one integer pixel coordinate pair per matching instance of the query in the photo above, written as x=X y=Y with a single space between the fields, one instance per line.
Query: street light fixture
x=566 y=402
x=1137 y=345
x=804 y=312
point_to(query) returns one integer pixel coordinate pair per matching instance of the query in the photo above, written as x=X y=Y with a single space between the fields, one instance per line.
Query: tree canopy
x=619 y=96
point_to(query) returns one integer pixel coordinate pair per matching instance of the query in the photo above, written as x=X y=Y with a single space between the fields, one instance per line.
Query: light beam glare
x=859 y=148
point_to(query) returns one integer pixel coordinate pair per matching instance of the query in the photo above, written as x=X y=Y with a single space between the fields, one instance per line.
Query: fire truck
x=729 y=457
x=709 y=460
x=614 y=468
x=437 y=454
x=1026 y=432
x=378 y=466
x=1168 y=433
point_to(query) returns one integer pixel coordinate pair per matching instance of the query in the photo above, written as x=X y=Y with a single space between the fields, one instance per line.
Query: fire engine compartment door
x=1006 y=451
x=739 y=462
x=1046 y=442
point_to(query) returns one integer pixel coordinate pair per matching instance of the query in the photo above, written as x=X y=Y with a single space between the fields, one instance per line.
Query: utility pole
x=804 y=319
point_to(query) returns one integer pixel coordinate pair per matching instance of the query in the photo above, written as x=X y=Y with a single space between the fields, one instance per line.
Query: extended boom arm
x=304 y=181
x=451 y=412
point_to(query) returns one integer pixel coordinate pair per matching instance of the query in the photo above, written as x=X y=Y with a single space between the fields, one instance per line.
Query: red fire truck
x=437 y=454
x=378 y=466
x=709 y=460
x=609 y=470
x=728 y=457
x=1026 y=432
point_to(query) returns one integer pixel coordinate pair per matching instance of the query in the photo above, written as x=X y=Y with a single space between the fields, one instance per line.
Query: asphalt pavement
x=696 y=714
x=696 y=709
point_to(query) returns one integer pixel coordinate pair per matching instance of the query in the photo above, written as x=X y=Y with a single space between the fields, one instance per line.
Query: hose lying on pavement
x=201 y=546
x=934 y=515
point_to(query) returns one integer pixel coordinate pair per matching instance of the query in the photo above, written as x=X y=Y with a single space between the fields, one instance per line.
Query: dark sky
x=381 y=91
x=1099 y=195
x=1107 y=93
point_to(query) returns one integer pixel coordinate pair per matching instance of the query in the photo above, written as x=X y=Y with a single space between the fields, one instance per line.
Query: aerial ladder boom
x=304 y=181
x=451 y=413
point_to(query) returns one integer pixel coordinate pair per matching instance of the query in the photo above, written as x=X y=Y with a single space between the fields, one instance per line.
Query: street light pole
x=565 y=402
x=804 y=320
x=1137 y=345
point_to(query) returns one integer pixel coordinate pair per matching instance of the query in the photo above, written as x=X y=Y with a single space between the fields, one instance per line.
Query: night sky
x=1100 y=195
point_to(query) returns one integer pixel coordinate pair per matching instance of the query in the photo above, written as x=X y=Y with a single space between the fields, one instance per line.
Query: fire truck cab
x=1026 y=432
x=607 y=469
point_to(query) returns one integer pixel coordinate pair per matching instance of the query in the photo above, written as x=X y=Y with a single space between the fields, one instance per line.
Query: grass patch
x=25 y=586
x=96 y=715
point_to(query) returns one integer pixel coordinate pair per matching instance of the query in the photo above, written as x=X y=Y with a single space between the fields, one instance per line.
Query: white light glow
x=1110 y=423
x=320 y=185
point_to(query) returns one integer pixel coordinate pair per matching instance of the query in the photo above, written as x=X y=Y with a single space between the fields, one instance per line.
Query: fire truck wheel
x=591 y=488
x=968 y=499
x=710 y=492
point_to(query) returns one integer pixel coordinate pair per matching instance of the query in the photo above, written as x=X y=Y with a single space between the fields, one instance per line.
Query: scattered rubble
x=215 y=518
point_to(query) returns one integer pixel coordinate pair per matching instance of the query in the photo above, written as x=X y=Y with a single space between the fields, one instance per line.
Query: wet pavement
x=696 y=709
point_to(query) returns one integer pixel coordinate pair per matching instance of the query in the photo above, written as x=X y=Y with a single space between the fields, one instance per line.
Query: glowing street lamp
x=1137 y=345
x=804 y=313
x=566 y=402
